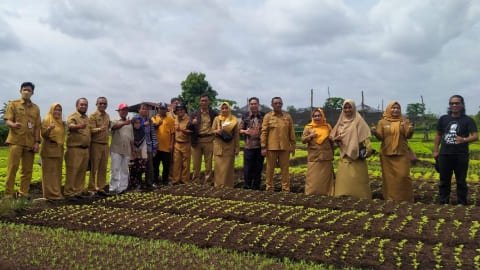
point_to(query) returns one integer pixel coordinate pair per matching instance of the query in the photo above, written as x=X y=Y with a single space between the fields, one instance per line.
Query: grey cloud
x=8 y=39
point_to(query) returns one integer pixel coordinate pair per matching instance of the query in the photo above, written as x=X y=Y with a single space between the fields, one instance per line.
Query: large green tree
x=333 y=103
x=415 y=111
x=193 y=87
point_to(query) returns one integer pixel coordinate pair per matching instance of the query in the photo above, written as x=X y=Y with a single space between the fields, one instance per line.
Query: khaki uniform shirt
x=385 y=135
x=277 y=132
x=27 y=114
x=99 y=120
x=180 y=136
x=79 y=137
x=206 y=125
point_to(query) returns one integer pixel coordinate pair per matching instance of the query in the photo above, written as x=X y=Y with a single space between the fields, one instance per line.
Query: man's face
x=253 y=105
x=101 y=104
x=143 y=111
x=26 y=92
x=455 y=104
x=204 y=102
x=123 y=113
x=82 y=106
x=277 y=104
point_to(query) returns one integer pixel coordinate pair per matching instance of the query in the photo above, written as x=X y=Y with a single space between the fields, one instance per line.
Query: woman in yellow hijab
x=53 y=135
x=393 y=131
x=225 y=146
x=320 y=155
x=352 y=135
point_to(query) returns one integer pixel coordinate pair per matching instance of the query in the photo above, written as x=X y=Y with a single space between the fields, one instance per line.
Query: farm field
x=202 y=227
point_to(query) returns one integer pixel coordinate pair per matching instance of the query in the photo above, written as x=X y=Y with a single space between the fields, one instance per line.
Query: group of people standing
x=351 y=135
x=173 y=137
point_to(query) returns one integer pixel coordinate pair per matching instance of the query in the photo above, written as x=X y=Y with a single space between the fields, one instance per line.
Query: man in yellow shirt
x=165 y=126
x=23 y=119
x=277 y=142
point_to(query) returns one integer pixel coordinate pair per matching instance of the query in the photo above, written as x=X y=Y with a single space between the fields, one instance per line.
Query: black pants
x=164 y=158
x=252 y=168
x=450 y=164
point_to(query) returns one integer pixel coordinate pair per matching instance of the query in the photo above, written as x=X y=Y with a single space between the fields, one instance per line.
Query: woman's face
x=396 y=111
x=224 y=110
x=348 y=110
x=57 y=112
x=317 y=117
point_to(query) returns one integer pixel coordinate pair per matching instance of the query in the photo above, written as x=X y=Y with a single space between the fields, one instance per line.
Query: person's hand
x=435 y=154
x=264 y=152
x=292 y=152
x=373 y=129
x=460 y=140
x=194 y=121
x=52 y=126
x=35 y=148
x=218 y=131
x=17 y=125
x=82 y=126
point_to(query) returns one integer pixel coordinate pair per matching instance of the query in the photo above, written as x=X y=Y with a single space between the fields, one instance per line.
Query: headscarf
x=228 y=122
x=57 y=134
x=394 y=125
x=138 y=133
x=322 y=129
x=351 y=132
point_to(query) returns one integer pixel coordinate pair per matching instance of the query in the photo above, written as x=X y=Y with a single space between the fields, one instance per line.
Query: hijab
x=322 y=129
x=57 y=134
x=394 y=125
x=138 y=133
x=228 y=122
x=351 y=132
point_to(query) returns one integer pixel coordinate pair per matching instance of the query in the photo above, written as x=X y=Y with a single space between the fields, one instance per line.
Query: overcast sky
x=133 y=51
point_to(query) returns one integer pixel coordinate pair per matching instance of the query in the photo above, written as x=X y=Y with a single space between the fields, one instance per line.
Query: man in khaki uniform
x=181 y=151
x=78 y=143
x=202 y=139
x=23 y=119
x=99 y=124
x=277 y=142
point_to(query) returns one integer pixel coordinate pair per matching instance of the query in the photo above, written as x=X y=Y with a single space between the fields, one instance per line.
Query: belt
x=79 y=146
x=204 y=135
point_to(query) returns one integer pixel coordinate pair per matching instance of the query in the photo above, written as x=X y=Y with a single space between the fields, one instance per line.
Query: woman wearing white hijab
x=352 y=135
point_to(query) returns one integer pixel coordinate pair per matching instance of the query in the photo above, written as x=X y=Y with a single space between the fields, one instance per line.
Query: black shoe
x=102 y=193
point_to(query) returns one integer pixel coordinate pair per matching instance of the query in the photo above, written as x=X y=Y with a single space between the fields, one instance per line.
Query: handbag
x=225 y=136
x=362 y=151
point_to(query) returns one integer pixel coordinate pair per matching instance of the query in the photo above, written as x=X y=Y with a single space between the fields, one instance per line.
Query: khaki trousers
x=204 y=149
x=52 y=177
x=19 y=155
x=280 y=157
x=181 y=163
x=76 y=160
x=98 y=166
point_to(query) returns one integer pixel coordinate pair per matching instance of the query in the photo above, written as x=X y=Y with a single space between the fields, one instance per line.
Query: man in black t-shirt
x=455 y=131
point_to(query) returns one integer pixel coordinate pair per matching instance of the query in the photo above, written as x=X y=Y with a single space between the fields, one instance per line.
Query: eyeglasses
x=316 y=116
x=278 y=103
x=454 y=103
x=102 y=103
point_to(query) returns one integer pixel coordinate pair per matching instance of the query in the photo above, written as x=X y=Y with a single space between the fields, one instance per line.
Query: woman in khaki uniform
x=226 y=146
x=53 y=135
x=320 y=155
x=352 y=135
x=394 y=131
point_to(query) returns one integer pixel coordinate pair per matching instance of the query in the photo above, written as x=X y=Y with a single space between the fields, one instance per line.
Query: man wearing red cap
x=120 y=151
